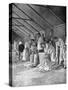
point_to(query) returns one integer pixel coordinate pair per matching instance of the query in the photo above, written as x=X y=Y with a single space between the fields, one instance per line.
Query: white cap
x=20 y=42
x=32 y=37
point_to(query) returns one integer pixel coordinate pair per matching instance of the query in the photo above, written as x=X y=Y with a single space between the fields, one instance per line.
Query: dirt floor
x=23 y=76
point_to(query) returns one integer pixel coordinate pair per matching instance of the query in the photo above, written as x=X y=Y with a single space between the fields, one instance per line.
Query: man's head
x=55 y=39
x=37 y=36
x=42 y=33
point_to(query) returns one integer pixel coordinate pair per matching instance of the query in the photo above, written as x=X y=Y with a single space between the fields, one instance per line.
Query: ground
x=23 y=76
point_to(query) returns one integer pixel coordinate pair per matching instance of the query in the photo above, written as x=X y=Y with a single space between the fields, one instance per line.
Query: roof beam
x=51 y=26
x=25 y=27
x=54 y=14
x=27 y=23
x=16 y=30
x=29 y=17
x=22 y=31
x=21 y=18
x=20 y=34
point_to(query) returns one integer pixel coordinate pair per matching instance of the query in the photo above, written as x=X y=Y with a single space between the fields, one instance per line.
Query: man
x=40 y=41
x=26 y=51
x=40 y=48
x=34 y=54
x=59 y=49
x=21 y=48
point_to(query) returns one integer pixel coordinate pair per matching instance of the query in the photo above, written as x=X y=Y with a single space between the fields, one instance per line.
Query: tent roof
x=29 y=19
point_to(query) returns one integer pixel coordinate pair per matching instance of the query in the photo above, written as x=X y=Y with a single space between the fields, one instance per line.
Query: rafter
x=51 y=26
x=29 y=17
x=25 y=27
x=20 y=34
x=27 y=23
x=22 y=30
x=54 y=14
x=19 y=29
x=21 y=18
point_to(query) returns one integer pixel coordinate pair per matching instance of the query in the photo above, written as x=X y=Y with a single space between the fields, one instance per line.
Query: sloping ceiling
x=29 y=19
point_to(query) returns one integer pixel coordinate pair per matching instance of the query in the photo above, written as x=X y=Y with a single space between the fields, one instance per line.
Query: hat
x=42 y=33
x=32 y=36
x=20 y=42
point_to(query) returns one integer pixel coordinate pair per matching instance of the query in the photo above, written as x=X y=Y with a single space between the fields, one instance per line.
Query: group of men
x=44 y=53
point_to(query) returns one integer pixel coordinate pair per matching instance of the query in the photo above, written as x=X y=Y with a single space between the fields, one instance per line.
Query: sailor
x=44 y=59
x=40 y=41
x=40 y=47
x=26 y=52
x=49 y=55
x=59 y=49
x=21 y=48
x=64 y=56
x=32 y=49
x=52 y=52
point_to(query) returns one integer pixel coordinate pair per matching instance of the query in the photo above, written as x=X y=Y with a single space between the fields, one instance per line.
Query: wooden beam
x=22 y=31
x=55 y=15
x=21 y=18
x=27 y=23
x=29 y=17
x=19 y=33
x=51 y=26
x=25 y=27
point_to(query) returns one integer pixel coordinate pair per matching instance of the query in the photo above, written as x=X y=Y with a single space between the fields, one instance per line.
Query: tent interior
x=29 y=19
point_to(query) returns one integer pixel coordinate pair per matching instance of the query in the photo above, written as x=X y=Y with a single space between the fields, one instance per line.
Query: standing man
x=40 y=41
x=40 y=47
x=21 y=48
x=59 y=49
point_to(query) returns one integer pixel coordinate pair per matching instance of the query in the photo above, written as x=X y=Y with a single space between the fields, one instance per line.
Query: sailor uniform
x=59 y=50
x=26 y=52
